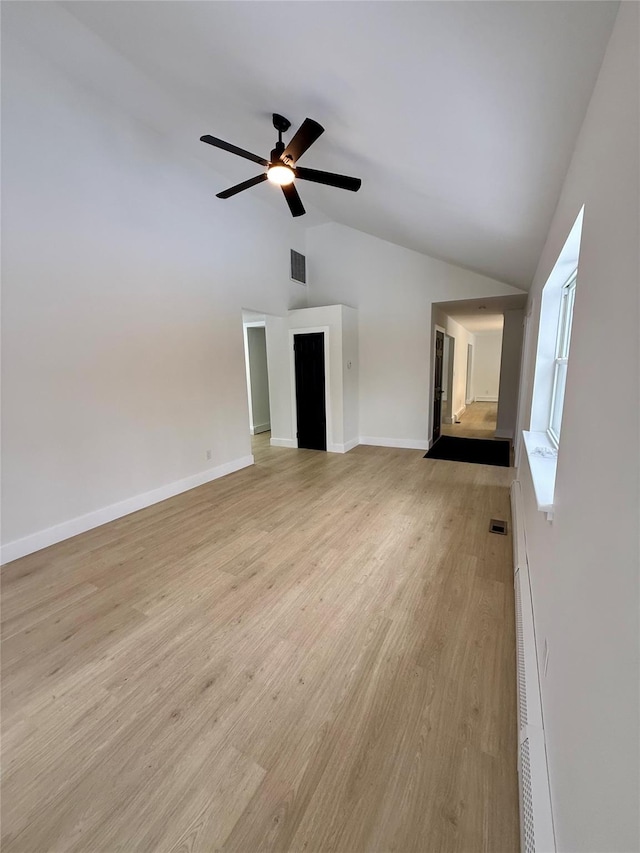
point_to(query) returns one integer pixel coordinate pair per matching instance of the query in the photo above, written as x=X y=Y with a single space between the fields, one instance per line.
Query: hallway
x=478 y=421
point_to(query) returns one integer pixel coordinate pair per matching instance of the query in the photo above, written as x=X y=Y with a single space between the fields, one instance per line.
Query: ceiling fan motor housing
x=281 y=123
x=277 y=152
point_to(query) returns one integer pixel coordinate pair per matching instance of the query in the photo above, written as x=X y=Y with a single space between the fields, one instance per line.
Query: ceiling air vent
x=298 y=267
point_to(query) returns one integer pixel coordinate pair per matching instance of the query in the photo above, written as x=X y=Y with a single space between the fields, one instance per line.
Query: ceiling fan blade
x=343 y=182
x=243 y=186
x=303 y=139
x=233 y=149
x=293 y=200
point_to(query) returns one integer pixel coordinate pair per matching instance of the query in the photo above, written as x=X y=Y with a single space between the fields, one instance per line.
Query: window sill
x=543 y=469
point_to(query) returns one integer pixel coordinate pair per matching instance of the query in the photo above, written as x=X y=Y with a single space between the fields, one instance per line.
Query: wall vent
x=528 y=829
x=536 y=819
x=522 y=681
x=298 y=267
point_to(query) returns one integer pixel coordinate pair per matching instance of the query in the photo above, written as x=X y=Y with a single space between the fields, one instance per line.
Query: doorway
x=257 y=380
x=311 y=407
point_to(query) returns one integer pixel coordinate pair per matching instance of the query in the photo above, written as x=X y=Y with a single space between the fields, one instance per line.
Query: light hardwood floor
x=478 y=421
x=313 y=654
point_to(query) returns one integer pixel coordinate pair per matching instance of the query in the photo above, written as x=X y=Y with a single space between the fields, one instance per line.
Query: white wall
x=260 y=419
x=510 y=361
x=486 y=366
x=393 y=289
x=123 y=282
x=584 y=564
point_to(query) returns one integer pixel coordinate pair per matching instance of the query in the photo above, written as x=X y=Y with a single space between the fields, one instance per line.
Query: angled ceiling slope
x=460 y=118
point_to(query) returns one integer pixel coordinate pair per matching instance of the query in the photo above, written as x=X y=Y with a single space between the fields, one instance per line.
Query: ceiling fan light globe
x=281 y=175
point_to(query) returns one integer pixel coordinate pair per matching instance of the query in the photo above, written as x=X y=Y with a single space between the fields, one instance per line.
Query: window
x=563 y=340
x=541 y=441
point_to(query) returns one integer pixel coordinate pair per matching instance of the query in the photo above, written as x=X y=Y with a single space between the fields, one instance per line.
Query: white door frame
x=468 y=396
x=252 y=324
x=308 y=330
x=432 y=386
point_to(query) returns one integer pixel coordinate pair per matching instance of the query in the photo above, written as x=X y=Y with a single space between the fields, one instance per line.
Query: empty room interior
x=312 y=536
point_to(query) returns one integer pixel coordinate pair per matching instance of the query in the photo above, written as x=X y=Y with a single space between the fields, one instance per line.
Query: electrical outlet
x=208 y=455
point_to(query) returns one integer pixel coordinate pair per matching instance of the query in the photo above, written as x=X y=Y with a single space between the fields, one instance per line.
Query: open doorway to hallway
x=257 y=376
x=474 y=393
x=479 y=417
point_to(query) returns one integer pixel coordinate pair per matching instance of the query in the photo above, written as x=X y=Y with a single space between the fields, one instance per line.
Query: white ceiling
x=482 y=316
x=460 y=117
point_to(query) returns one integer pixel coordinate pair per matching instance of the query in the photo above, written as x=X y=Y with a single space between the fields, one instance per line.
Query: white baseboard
x=504 y=433
x=258 y=428
x=449 y=420
x=343 y=448
x=460 y=412
x=43 y=538
x=486 y=400
x=284 y=442
x=407 y=443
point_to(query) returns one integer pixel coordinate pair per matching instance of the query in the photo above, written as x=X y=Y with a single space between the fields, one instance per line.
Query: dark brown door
x=437 y=386
x=310 y=397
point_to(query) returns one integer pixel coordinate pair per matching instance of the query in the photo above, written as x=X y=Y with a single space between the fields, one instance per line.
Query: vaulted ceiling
x=460 y=117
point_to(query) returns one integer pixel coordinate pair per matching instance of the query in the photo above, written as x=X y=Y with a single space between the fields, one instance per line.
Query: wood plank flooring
x=313 y=654
x=478 y=421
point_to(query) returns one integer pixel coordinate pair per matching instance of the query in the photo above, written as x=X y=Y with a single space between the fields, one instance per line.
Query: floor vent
x=536 y=820
x=496 y=525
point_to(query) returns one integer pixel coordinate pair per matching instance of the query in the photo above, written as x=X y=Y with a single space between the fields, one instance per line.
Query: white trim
x=331 y=448
x=51 y=535
x=485 y=400
x=327 y=383
x=543 y=462
x=457 y=415
x=284 y=442
x=245 y=338
x=468 y=379
x=260 y=428
x=406 y=443
x=432 y=388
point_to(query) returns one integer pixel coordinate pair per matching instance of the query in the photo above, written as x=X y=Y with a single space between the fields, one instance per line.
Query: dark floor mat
x=480 y=451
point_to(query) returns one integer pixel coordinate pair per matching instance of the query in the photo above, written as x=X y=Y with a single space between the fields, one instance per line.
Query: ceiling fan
x=282 y=168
